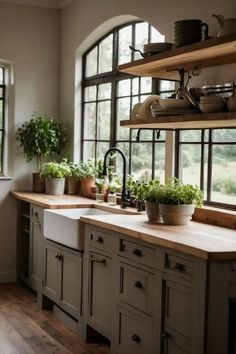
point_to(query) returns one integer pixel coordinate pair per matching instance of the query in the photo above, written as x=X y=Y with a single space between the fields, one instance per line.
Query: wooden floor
x=25 y=329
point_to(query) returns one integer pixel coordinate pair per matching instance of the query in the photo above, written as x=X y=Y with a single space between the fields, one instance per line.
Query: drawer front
x=139 y=253
x=178 y=265
x=136 y=287
x=101 y=241
x=135 y=334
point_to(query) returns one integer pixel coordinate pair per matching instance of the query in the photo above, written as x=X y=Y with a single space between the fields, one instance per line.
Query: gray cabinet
x=98 y=284
x=63 y=277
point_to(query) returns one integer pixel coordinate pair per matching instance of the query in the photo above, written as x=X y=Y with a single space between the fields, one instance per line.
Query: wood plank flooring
x=26 y=329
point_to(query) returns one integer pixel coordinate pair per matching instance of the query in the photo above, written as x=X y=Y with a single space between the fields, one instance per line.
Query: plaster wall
x=29 y=38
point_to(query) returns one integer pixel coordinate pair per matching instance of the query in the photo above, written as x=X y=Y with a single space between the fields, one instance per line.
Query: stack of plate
x=152 y=48
x=189 y=31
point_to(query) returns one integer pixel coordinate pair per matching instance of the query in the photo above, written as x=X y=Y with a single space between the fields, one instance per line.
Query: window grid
x=207 y=145
x=2 y=117
x=126 y=140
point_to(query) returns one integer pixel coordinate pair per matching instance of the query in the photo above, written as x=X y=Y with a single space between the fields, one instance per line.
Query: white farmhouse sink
x=63 y=225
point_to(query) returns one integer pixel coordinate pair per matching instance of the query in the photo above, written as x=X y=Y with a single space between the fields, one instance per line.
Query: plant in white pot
x=40 y=137
x=55 y=174
x=150 y=194
x=177 y=201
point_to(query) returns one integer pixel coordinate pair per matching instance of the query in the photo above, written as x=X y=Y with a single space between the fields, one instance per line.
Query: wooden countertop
x=197 y=239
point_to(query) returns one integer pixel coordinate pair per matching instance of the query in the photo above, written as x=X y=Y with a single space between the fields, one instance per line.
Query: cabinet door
x=36 y=247
x=51 y=272
x=100 y=293
x=177 y=312
x=70 y=282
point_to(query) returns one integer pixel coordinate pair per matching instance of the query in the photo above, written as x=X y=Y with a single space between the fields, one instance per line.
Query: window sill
x=6 y=178
x=216 y=216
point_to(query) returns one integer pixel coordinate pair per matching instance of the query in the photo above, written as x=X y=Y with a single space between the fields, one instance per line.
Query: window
x=208 y=158
x=108 y=98
x=2 y=117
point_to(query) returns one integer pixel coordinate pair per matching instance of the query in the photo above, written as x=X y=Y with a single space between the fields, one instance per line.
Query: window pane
x=123 y=112
x=89 y=151
x=101 y=150
x=104 y=91
x=190 y=135
x=123 y=88
x=146 y=84
x=89 y=120
x=124 y=53
x=104 y=118
x=167 y=85
x=224 y=174
x=1 y=76
x=141 y=159
x=90 y=93
x=190 y=160
x=135 y=86
x=1 y=114
x=141 y=35
x=224 y=135
x=160 y=161
x=124 y=147
x=91 y=63
x=105 y=55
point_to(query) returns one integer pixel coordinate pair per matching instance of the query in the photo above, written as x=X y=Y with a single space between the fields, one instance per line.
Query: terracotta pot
x=38 y=183
x=176 y=214
x=85 y=186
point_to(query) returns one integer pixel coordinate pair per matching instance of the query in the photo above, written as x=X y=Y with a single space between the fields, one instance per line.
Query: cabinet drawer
x=139 y=253
x=101 y=240
x=135 y=334
x=179 y=265
x=136 y=287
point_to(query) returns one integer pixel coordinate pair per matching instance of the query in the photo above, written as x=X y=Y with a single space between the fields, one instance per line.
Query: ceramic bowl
x=174 y=103
x=211 y=107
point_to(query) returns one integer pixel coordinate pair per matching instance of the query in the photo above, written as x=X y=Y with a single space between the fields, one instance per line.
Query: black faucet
x=124 y=202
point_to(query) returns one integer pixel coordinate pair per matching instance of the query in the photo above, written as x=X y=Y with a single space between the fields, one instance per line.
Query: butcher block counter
x=198 y=239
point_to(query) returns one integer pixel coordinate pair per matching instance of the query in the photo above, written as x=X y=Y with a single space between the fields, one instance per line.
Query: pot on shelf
x=54 y=186
x=176 y=214
x=152 y=211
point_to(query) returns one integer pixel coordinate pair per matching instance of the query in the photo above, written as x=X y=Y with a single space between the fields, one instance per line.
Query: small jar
x=99 y=197
x=111 y=198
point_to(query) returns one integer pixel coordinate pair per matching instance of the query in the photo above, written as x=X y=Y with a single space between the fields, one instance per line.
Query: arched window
x=109 y=95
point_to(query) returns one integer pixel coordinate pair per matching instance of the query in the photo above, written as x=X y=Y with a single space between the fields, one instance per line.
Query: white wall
x=29 y=38
x=84 y=21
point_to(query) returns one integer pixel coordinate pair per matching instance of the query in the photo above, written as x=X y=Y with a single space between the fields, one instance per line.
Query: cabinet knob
x=60 y=256
x=180 y=267
x=135 y=338
x=99 y=239
x=138 y=284
x=137 y=252
x=57 y=255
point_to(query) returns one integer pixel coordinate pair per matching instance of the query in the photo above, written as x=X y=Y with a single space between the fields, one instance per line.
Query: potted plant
x=150 y=195
x=40 y=137
x=136 y=190
x=72 y=181
x=86 y=174
x=55 y=173
x=178 y=201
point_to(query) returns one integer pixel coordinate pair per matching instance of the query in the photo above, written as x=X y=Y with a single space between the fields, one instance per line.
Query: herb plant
x=55 y=169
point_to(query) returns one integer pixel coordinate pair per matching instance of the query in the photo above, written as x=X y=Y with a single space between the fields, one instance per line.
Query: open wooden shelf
x=208 y=53
x=193 y=121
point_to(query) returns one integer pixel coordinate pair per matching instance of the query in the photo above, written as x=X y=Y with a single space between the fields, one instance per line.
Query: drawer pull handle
x=99 y=239
x=165 y=335
x=135 y=338
x=98 y=260
x=60 y=257
x=179 y=267
x=57 y=255
x=137 y=252
x=138 y=284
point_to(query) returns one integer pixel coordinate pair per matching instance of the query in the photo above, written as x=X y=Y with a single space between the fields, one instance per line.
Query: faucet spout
x=124 y=203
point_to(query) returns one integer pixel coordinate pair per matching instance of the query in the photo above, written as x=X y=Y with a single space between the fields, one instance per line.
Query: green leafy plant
x=55 y=169
x=175 y=192
x=40 y=137
x=86 y=169
x=143 y=190
x=74 y=169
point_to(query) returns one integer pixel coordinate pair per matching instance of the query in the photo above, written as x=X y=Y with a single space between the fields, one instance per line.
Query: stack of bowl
x=210 y=104
x=152 y=48
x=189 y=31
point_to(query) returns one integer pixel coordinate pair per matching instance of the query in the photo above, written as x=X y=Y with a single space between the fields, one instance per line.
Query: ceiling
x=54 y=4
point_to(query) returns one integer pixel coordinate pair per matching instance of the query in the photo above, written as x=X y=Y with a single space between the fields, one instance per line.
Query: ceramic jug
x=231 y=103
x=227 y=26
